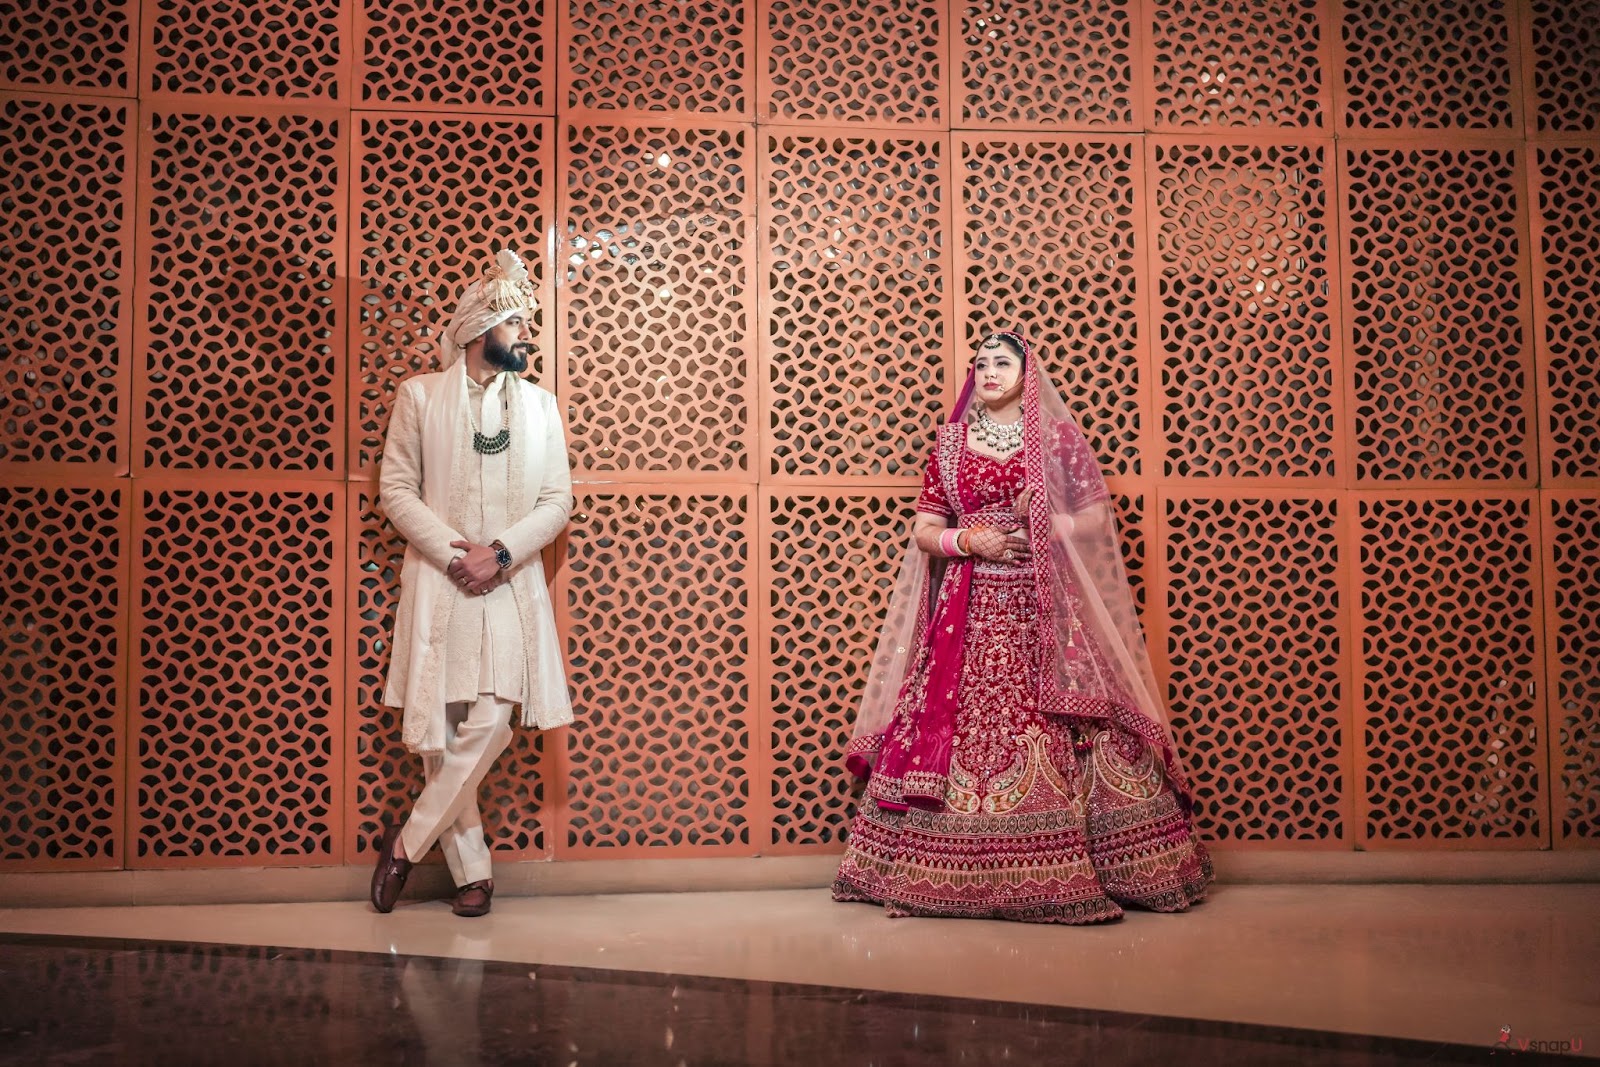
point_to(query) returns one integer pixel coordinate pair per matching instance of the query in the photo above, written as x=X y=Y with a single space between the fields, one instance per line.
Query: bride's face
x=998 y=375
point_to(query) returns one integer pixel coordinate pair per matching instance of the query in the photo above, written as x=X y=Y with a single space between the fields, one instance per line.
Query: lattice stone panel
x=491 y=54
x=1044 y=63
x=1238 y=63
x=1569 y=267
x=1132 y=519
x=656 y=310
x=64 y=321
x=834 y=559
x=1255 y=645
x=438 y=195
x=1438 y=331
x=61 y=666
x=1432 y=64
x=856 y=303
x=1566 y=68
x=81 y=46
x=1453 y=730
x=265 y=48
x=240 y=634
x=244 y=336
x=649 y=55
x=221 y=347
x=1048 y=248
x=384 y=778
x=657 y=601
x=1249 y=373
x=878 y=61
x=1573 y=532
x=512 y=798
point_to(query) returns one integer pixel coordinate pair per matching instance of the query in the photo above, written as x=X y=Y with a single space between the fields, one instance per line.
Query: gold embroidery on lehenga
x=1008 y=790
x=961 y=795
x=1139 y=780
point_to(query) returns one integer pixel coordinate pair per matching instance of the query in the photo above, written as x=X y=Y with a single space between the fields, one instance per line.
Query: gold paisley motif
x=1139 y=780
x=961 y=790
x=1047 y=767
x=1007 y=790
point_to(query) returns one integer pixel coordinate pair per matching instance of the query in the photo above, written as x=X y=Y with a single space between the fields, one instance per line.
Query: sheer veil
x=1094 y=663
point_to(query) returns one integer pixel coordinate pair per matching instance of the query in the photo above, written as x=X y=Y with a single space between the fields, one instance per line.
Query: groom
x=475 y=478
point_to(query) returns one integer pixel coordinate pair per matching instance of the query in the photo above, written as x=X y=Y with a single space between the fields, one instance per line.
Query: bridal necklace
x=1002 y=439
x=489 y=446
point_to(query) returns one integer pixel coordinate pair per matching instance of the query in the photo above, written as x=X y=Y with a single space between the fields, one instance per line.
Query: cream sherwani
x=459 y=663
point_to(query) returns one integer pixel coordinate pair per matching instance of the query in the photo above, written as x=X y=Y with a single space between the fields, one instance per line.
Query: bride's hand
x=1021 y=507
x=998 y=546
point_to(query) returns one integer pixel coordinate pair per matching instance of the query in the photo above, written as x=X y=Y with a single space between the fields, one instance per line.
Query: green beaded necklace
x=490 y=446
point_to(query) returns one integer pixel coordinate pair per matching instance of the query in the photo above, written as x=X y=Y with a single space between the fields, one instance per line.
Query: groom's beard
x=512 y=357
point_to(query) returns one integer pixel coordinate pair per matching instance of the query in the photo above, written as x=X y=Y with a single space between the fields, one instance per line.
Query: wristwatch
x=502 y=555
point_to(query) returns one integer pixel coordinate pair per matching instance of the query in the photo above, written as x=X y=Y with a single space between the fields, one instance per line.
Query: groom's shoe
x=472 y=899
x=391 y=872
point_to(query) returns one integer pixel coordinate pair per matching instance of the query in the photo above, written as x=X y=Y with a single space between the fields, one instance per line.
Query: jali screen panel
x=1318 y=278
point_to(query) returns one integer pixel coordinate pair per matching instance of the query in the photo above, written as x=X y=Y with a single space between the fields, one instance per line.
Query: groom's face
x=507 y=346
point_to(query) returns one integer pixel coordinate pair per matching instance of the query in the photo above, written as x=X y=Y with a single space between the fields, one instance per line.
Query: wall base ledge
x=240 y=885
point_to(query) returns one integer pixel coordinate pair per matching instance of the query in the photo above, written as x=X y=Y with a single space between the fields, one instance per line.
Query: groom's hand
x=476 y=570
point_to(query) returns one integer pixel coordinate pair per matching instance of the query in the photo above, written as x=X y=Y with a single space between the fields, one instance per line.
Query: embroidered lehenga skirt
x=1046 y=818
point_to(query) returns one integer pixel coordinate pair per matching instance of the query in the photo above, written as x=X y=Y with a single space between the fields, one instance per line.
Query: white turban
x=504 y=290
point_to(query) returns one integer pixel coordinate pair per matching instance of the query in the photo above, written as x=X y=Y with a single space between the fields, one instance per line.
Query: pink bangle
x=950 y=543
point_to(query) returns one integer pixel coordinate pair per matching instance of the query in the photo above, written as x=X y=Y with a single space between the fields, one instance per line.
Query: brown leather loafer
x=390 y=874
x=472 y=899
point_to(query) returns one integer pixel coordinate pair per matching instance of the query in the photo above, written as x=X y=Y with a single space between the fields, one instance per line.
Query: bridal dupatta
x=1093 y=658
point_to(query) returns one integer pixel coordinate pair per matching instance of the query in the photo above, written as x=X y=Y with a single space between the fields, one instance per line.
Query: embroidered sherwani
x=503 y=643
x=484 y=650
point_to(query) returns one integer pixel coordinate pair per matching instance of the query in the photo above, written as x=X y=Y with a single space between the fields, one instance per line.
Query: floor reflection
x=72 y=1000
x=443 y=999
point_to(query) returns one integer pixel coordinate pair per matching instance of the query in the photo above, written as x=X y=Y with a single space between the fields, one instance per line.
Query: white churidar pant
x=447 y=809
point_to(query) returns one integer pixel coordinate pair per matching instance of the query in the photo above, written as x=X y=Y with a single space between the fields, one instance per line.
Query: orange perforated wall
x=1322 y=278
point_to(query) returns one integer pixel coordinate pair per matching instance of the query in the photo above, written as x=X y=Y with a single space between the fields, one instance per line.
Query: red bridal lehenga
x=1017 y=758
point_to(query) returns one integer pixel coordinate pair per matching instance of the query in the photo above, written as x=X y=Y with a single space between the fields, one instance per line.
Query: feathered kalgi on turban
x=504 y=290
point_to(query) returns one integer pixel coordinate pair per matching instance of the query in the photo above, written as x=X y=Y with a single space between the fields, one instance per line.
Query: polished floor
x=1258 y=974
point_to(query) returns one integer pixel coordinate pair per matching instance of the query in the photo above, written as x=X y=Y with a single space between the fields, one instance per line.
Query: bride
x=1016 y=751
